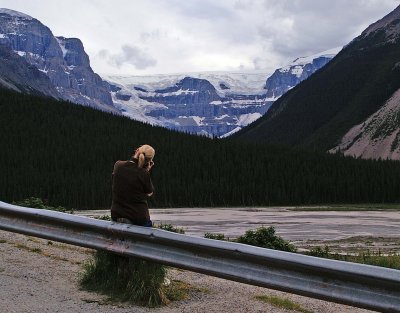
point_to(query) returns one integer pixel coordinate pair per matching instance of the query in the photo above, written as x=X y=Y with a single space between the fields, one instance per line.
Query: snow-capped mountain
x=209 y=103
x=285 y=78
x=62 y=60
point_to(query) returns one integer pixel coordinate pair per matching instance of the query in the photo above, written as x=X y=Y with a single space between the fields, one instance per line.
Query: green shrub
x=266 y=238
x=38 y=203
x=125 y=279
x=216 y=236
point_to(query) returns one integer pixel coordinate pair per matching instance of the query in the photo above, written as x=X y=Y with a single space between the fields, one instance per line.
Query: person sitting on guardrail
x=131 y=187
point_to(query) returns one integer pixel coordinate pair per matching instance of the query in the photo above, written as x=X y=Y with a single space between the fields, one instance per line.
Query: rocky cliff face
x=17 y=74
x=62 y=60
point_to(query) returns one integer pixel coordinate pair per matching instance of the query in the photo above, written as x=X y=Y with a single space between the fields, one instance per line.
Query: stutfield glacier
x=209 y=103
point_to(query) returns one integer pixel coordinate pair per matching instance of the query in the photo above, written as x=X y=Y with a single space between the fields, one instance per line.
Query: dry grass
x=282 y=303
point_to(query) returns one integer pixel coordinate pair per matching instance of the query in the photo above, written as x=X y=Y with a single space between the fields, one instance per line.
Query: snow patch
x=61 y=43
x=199 y=120
x=309 y=59
x=246 y=119
x=221 y=117
x=297 y=65
x=231 y=132
x=173 y=93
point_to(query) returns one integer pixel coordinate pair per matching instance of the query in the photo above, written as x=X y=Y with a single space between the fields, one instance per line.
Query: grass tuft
x=282 y=303
x=178 y=290
x=171 y=228
x=125 y=279
x=216 y=236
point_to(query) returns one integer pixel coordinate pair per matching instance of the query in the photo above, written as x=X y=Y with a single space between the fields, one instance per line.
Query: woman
x=131 y=187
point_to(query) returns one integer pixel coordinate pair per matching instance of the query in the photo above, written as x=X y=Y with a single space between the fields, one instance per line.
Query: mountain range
x=210 y=103
x=339 y=101
x=351 y=105
x=34 y=61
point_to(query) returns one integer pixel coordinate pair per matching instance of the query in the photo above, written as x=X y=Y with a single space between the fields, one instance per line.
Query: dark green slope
x=319 y=111
x=65 y=153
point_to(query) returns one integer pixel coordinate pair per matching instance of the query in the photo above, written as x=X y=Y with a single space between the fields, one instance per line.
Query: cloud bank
x=165 y=36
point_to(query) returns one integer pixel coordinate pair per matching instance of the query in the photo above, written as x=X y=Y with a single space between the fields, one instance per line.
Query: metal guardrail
x=353 y=284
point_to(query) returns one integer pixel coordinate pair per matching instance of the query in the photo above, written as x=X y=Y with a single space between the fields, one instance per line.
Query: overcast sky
x=139 y=37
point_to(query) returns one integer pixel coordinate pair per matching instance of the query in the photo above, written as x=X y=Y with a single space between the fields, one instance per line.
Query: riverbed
x=342 y=230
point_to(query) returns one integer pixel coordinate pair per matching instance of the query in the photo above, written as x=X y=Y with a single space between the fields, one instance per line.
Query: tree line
x=65 y=153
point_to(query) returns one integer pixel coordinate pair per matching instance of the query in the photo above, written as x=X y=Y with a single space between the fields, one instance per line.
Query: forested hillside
x=65 y=153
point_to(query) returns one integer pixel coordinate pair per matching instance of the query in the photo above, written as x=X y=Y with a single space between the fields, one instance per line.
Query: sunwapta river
x=341 y=230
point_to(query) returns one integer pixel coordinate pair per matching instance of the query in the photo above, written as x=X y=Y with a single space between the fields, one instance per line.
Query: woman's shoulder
x=120 y=163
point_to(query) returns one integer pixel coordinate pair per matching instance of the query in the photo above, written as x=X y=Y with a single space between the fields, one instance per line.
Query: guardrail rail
x=358 y=285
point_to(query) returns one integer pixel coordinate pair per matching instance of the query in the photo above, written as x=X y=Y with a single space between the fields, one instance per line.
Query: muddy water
x=292 y=225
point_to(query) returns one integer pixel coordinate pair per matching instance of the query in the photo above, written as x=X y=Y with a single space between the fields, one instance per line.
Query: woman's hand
x=149 y=166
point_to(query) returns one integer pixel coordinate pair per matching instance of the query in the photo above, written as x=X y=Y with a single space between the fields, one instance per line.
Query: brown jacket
x=130 y=187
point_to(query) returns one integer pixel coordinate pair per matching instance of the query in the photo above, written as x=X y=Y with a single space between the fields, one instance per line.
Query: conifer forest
x=64 y=154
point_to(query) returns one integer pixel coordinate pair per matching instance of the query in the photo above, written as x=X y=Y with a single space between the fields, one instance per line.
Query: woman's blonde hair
x=146 y=154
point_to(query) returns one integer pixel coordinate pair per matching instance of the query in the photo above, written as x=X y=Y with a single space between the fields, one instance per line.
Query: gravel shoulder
x=37 y=275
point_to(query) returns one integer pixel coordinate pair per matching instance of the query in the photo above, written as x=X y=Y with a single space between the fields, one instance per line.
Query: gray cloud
x=129 y=54
x=299 y=27
x=203 y=35
x=103 y=54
